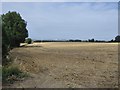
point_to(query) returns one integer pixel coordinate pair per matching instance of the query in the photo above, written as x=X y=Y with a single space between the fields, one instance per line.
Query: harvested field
x=68 y=65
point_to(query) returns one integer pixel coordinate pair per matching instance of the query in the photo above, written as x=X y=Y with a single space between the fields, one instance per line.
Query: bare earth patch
x=68 y=65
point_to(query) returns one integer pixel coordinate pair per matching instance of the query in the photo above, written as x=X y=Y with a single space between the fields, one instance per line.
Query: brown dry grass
x=68 y=65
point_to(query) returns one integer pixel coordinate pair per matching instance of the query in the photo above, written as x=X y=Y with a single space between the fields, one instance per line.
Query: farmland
x=67 y=65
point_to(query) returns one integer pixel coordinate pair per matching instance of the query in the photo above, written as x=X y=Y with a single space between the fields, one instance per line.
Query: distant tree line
x=71 y=40
x=117 y=39
x=14 y=31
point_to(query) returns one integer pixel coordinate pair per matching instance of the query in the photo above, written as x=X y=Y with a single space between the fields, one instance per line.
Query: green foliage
x=11 y=74
x=5 y=43
x=6 y=61
x=91 y=40
x=15 y=28
x=14 y=31
x=117 y=38
x=28 y=41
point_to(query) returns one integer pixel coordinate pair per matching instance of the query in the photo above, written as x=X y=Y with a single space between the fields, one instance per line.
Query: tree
x=91 y=40
x=117 y=38
x=28 y=41
x=14 y=27
x=5 y=40
x=5 y=43
x=13 y=31
x=111 y=40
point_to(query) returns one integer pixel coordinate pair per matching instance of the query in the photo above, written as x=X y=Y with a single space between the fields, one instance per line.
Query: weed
x=11 y=74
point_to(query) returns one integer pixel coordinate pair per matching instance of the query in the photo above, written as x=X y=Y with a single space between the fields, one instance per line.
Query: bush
x=6 y=61
x=11 y=74
x=28 y=41
x=117 y=38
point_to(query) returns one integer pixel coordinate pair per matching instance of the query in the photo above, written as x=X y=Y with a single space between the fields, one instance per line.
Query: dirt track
x=68 y=65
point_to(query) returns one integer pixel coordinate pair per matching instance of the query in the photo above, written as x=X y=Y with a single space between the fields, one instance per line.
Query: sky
x=68 y=20
x=60 y=0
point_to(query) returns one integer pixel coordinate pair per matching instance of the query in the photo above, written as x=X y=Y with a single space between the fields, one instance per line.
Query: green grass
x=11 y=74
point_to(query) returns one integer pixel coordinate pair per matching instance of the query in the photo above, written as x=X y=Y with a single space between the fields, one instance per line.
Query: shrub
x=11 y=74
x=28 y=41
x=117 y=38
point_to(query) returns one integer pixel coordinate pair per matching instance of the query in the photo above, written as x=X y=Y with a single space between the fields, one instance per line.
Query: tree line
x=117 y=39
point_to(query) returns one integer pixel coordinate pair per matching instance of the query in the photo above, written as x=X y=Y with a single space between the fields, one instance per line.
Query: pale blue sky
x=65 y=20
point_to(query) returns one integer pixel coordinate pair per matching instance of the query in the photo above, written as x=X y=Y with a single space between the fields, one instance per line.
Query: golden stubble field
x=68 y=65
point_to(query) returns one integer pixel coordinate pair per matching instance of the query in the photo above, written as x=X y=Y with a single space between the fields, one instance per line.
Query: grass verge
x=10 y=74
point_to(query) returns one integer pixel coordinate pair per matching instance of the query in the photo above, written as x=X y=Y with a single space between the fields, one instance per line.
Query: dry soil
x=67 y=65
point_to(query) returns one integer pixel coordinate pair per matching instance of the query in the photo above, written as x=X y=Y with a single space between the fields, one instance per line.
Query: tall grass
x=11 y=74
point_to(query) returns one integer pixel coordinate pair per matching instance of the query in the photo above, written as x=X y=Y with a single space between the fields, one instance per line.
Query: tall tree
x=14 y=31
x=15 y=28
